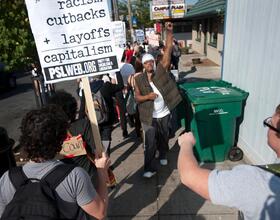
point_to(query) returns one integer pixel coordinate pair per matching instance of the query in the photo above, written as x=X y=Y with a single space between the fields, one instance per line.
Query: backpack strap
x=58 y=174
x=272 y=168
x=17 y=176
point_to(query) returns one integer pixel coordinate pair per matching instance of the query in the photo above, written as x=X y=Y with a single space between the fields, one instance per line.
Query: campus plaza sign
x=168 y=11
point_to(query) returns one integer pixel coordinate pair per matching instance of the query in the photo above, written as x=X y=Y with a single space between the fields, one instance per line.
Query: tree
x=123 y=11
x=16 y=41
x=140 y=9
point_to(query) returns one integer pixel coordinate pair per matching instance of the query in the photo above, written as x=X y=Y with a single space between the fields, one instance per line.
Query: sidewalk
x=206 y=69
x=161 y=197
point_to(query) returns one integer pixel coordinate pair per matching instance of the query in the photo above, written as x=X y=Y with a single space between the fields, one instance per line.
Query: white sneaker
x=163 y=162
x=148 y=174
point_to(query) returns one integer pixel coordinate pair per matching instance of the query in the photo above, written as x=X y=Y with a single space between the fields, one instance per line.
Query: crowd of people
x=145 y=80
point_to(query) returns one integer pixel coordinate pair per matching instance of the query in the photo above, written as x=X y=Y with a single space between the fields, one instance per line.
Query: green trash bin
x=212 y=110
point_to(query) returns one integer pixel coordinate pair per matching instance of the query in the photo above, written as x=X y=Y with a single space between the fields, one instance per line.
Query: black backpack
x=100 y=105
x=35 y=199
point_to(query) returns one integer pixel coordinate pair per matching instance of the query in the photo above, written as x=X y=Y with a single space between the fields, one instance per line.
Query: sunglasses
x=267 y=123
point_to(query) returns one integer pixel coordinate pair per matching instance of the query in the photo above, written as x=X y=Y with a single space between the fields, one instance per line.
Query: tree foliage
x=140 y=9
x=16 y=41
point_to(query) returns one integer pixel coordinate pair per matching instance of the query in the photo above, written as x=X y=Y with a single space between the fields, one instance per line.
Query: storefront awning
x=207 y=7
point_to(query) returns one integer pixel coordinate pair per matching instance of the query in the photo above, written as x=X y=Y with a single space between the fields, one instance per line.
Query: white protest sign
x=120 y=38
x=153 y=40
x=149 y=31
x=119 y=33
x=73 y=38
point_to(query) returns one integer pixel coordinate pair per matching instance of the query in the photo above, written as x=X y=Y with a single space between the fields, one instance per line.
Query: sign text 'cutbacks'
x=73 y=38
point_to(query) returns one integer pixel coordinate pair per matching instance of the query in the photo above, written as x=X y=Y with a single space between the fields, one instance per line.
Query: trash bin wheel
x=235 y=154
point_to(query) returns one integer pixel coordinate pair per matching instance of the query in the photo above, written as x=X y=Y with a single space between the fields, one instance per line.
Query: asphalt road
x=16 y=103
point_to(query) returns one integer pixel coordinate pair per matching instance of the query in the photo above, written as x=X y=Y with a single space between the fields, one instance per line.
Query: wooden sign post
x=94 y=127
x=92 y=116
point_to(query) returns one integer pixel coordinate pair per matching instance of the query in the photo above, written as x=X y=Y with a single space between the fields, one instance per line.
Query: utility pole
x=130 y=21
x=115 y=10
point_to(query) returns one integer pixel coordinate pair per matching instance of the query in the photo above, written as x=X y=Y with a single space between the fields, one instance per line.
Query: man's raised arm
x=168 y=45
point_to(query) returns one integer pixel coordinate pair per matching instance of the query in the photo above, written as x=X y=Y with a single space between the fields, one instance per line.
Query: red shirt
x=128 y=55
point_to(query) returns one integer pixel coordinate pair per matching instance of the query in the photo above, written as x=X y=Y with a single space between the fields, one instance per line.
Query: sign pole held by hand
x=94 y=127
x=92 y=116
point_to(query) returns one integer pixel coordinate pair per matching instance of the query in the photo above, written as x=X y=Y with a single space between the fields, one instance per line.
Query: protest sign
x=140 y=35
x=153 y=40
x=73 y=38
x=72 y=147
x=149 y=31
x=119 y=33
x=120 y=38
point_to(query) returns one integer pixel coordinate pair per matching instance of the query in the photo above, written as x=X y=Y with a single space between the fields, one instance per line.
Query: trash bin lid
x=215 y=94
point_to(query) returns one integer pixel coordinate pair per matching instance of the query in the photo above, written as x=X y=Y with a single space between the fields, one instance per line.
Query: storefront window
x=182 y=27
x=198 y=31
x=213 y=32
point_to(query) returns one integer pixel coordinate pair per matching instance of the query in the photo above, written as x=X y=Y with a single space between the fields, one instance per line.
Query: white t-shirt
x=160 y=108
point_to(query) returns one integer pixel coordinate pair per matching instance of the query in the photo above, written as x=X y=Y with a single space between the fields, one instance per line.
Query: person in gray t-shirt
x=252 y=190
x=43 y=132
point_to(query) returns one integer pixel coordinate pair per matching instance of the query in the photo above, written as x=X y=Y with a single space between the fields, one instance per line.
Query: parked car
x=7 y=80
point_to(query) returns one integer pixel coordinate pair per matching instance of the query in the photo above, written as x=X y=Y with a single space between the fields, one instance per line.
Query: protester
x=253 y=190
x=136 y=58
x=128 y=53
x=42 y=90
x=134 y=117
x=6 y=152
x=175 y=55
x=156 y=95
x=108 y=90
x=126 y=70
x=43 y=132
x=77 y=127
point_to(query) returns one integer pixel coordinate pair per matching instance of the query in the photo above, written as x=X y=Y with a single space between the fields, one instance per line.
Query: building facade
x=251 y=62
x=208 y=28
